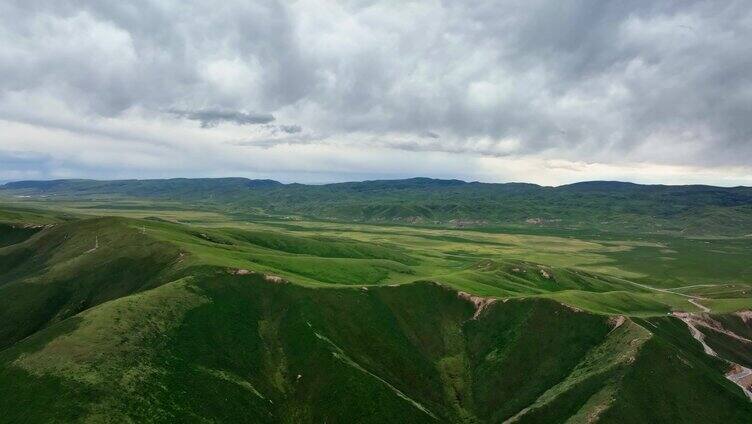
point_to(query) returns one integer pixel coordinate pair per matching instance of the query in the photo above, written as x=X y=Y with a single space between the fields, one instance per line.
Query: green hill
x=240 y=348
x=191 y=316
x=73 y=266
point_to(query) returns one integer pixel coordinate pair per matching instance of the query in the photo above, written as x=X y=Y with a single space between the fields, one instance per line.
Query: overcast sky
x=550 y=92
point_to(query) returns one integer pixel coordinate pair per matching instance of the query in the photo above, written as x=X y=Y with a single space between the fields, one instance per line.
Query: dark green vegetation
x=57 y=273
x=120 y=305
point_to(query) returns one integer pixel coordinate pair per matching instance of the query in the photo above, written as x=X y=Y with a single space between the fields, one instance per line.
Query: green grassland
x=161 y=311
x=694 y=210
x=605 y=273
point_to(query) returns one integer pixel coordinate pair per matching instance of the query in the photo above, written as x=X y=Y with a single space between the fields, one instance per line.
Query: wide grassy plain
x=634 y=274
x=157 y=311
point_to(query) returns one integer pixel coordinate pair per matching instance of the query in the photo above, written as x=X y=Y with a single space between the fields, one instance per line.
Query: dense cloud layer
x=645 y=90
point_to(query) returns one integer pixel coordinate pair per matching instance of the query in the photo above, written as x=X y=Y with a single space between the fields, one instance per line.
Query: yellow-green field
x=605 y=273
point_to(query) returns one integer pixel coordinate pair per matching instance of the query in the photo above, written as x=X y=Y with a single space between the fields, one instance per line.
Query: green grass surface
x=636 y=275
x=155 y=313
x=228 y=348
x=603 y=205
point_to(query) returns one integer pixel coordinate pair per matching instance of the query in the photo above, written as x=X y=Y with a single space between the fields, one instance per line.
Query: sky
x=550 y=92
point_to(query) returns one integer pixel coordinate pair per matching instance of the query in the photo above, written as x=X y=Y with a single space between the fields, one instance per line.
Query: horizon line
x=3 y=183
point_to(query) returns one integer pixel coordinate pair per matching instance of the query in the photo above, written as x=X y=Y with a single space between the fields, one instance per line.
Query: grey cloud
x=105 y=58
x=267 y=143
x=287 y=129
x=637 y=80
x=211 y=118
x=489 y=150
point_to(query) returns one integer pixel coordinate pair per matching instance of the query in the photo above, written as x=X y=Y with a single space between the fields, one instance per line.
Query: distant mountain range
x=606 y=205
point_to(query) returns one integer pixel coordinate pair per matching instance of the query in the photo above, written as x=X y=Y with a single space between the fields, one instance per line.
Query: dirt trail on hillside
x=695 y=332
x=480 y=303
x=702 y=307
x=738 y=374
x=691 y=299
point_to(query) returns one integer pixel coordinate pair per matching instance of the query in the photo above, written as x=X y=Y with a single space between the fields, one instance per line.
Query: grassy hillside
x=216 y=347
x=165 y=315
x=613 y=206
x=72 y=266
x=638 y=276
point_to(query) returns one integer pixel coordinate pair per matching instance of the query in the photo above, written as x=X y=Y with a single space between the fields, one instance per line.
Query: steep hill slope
x=246 y=349
x=72 y=266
